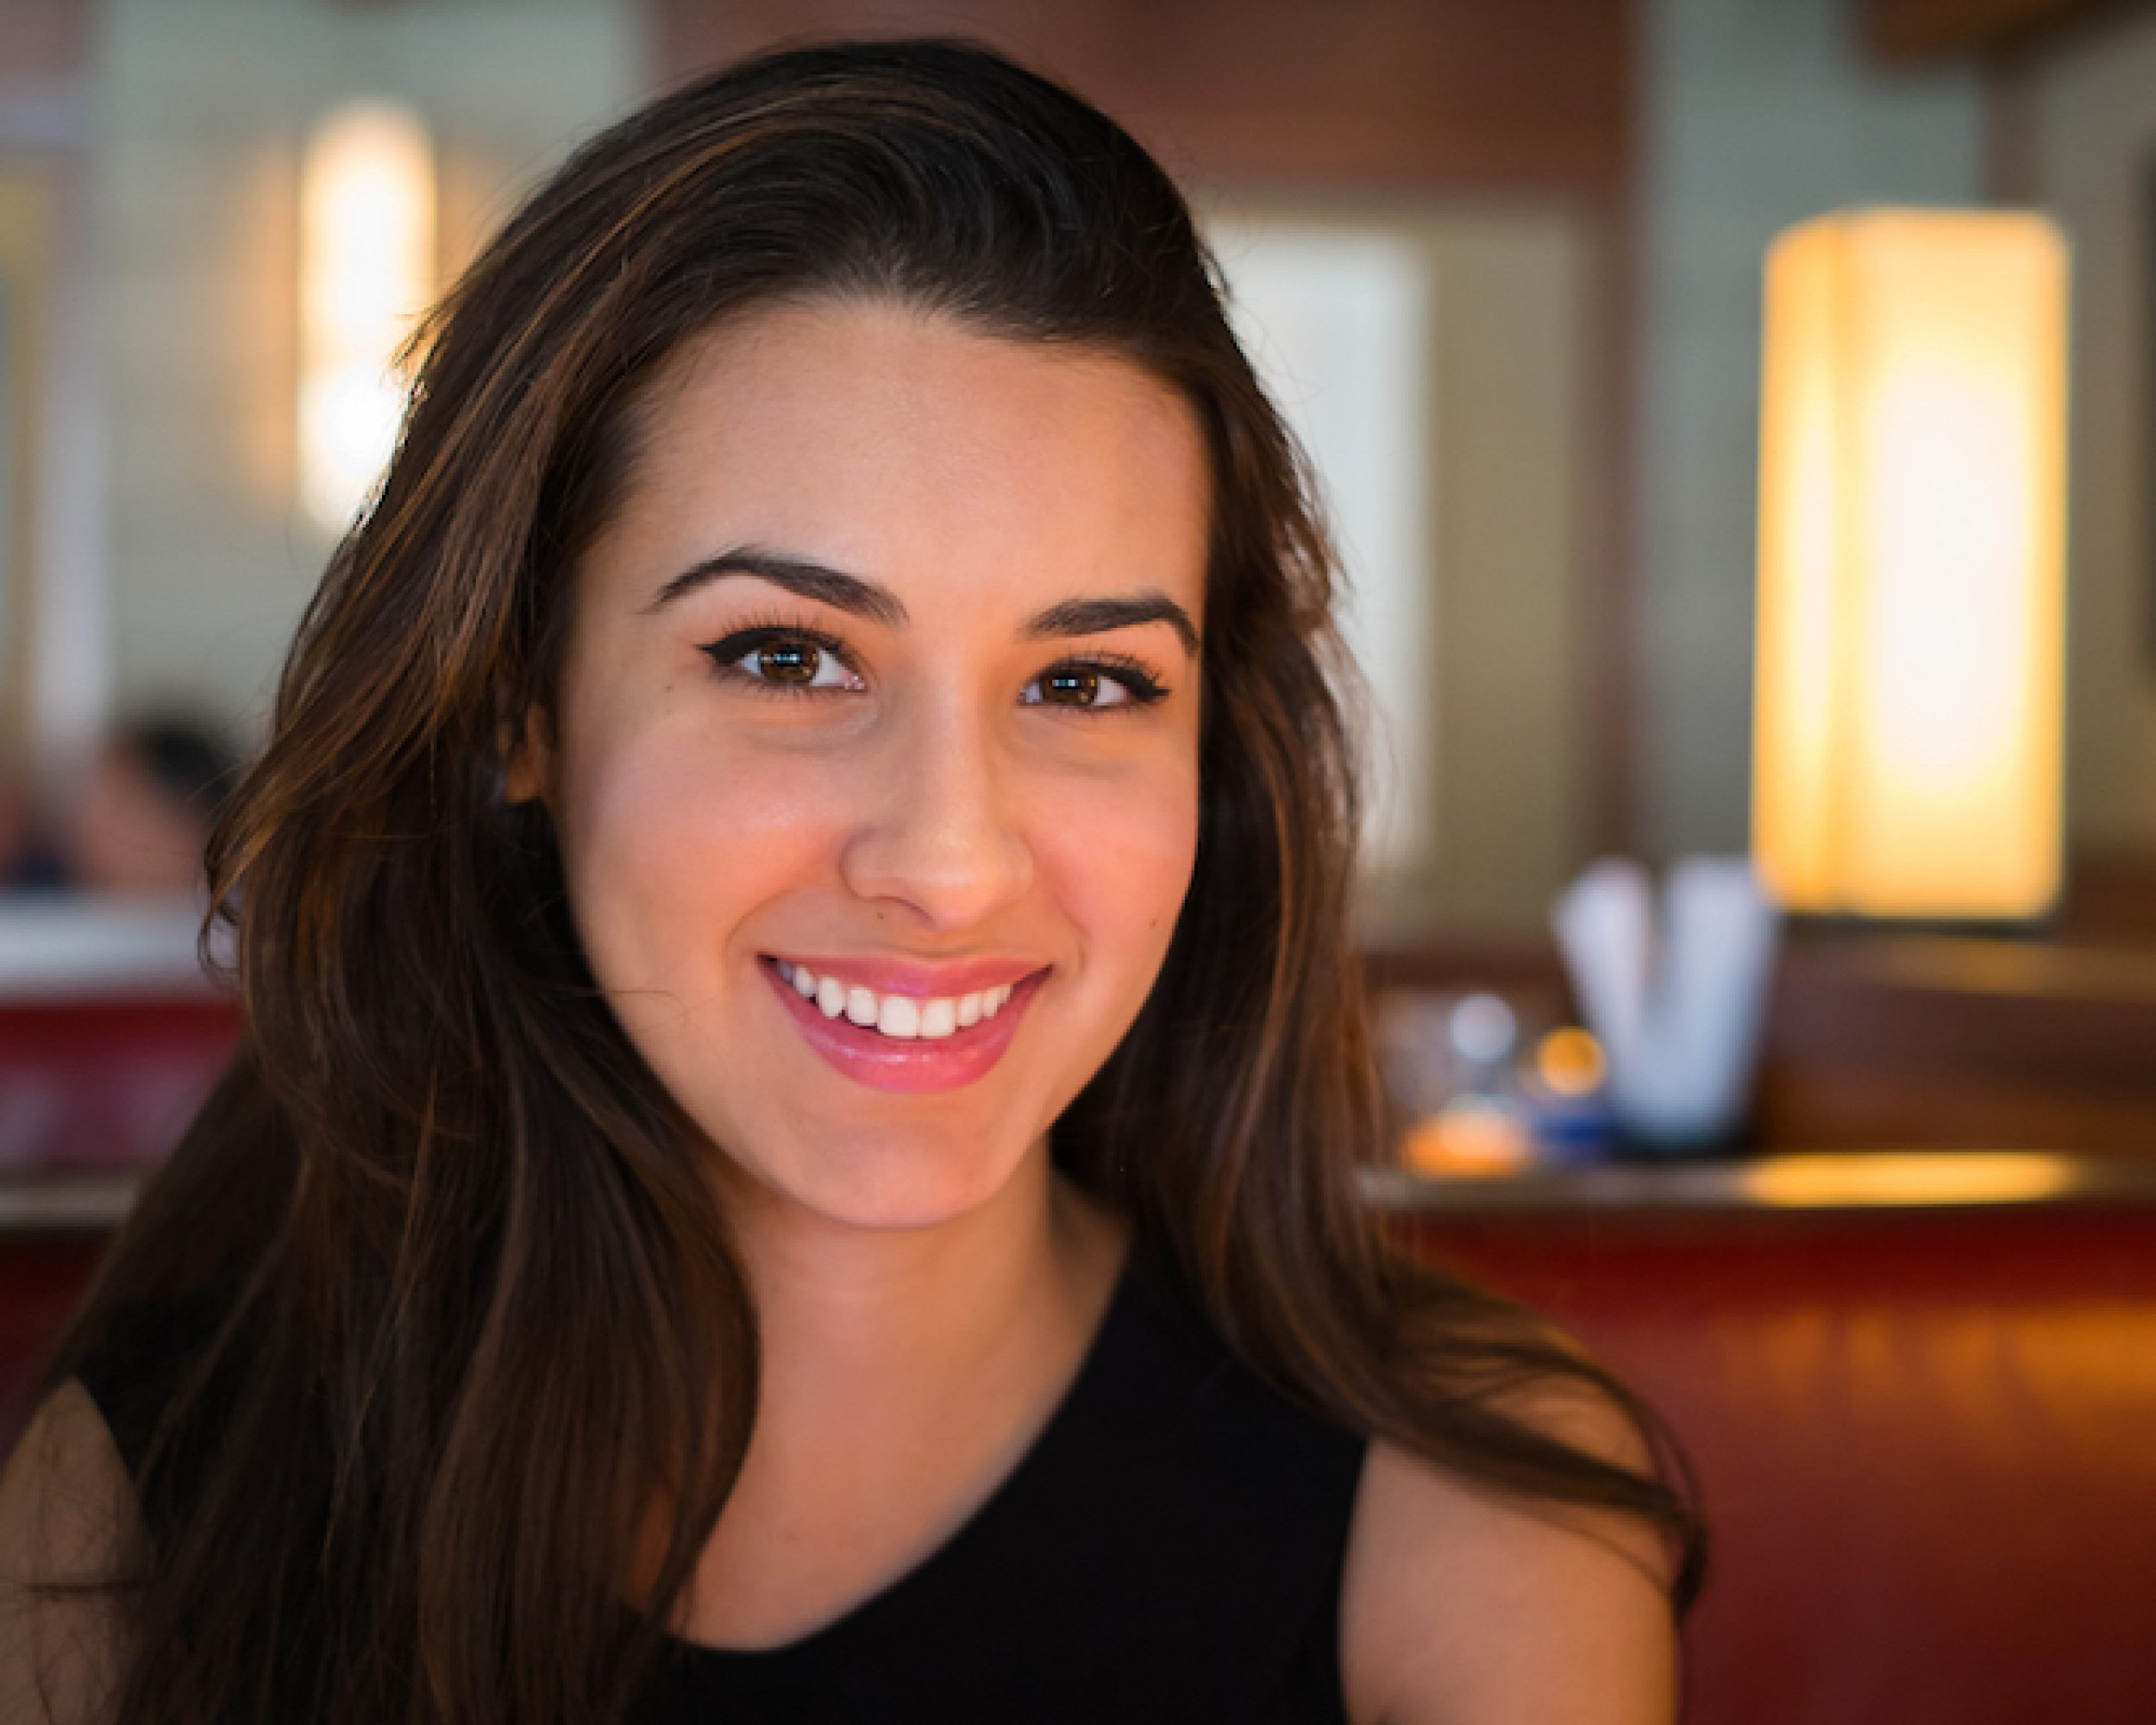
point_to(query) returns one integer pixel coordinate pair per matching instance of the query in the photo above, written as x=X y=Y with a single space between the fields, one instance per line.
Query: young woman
x=795 y=1156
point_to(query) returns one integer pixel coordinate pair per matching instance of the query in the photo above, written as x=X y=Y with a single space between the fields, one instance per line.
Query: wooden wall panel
x=1417 y=93
x=1908 y=30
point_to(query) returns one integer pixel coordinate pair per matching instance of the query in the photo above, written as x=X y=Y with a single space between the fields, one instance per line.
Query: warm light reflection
x=1570 y=1062
x=1922 y=1178
x=1471 y=1136
x=1908 y=694
x=367 y=272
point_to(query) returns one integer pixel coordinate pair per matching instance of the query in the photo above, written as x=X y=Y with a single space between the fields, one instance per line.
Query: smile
x=900 y=1041
x=901 y=1016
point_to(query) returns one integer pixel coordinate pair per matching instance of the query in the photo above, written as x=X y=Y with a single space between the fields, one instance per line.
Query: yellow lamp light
x=1907 y=705
x=367 y=272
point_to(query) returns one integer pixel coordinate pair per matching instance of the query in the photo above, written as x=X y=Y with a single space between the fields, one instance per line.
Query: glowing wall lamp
x=1907 y=718
x=366 y=268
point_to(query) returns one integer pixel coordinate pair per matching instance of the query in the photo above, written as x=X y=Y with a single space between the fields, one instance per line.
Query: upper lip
x=919 y=981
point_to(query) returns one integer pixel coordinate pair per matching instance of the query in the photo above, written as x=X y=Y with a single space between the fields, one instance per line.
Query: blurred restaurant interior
x=1739 y=418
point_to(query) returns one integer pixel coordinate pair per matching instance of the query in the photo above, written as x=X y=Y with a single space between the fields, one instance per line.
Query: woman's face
x=862 y=678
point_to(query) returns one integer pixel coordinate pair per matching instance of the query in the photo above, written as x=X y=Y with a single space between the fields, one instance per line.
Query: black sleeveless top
x=1168 y=1549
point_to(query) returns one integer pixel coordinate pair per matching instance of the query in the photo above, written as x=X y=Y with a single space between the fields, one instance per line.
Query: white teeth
x=899 y=1016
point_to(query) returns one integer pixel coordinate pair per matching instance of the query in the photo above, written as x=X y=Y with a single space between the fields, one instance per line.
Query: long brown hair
x=477 y=1301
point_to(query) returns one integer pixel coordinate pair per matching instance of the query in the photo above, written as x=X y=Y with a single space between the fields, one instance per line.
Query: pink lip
x=884 y=1063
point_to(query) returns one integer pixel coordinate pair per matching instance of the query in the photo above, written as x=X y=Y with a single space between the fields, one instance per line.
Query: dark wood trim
x=61 y=1206
x=1401 y=94
x=1883 y=1182
x=1910 y=32
x=2110 y=899
x=2010 y=167
x=55 y=1202
x=1614 y=822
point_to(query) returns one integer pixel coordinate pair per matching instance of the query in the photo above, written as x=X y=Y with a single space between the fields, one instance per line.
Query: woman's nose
x=940 y=832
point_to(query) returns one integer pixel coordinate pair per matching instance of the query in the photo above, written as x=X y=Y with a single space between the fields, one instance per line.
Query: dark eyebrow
x=877 y=604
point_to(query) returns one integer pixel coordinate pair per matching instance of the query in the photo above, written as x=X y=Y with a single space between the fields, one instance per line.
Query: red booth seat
x=1927 y=1447
x=106 y=1081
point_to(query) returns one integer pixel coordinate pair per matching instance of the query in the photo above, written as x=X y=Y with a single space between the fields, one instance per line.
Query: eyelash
x=1141 y=688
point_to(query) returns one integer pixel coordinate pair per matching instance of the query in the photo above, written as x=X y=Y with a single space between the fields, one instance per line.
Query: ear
x=525 y=747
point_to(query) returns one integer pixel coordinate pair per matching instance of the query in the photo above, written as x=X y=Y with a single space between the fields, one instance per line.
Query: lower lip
x=884 y=1063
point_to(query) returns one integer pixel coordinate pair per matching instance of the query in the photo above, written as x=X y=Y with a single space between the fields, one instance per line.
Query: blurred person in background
x=137 y=823
x=141 y=820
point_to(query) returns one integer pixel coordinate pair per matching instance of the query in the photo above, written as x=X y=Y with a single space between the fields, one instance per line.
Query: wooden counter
x=82 y=1204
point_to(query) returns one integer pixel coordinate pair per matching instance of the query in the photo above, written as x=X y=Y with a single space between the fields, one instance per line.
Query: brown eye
x=780 y=659
x=1076 y=687
x=1114 y=684
x=795 y=662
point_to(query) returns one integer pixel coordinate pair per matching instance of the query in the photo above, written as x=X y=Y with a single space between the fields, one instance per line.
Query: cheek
x=673 y=836
x=1118 y=858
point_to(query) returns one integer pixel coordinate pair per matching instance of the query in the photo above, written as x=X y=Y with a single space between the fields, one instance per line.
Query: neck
x=904 y=1370
x=904 y=1325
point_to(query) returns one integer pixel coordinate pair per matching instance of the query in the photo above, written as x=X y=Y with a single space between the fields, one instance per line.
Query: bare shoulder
x=1463 y=1606
x=67 y=1514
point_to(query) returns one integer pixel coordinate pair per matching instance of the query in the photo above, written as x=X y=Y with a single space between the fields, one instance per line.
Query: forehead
x=949 y=463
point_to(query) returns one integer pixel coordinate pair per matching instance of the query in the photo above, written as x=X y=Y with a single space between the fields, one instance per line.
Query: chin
x=880 y=1187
